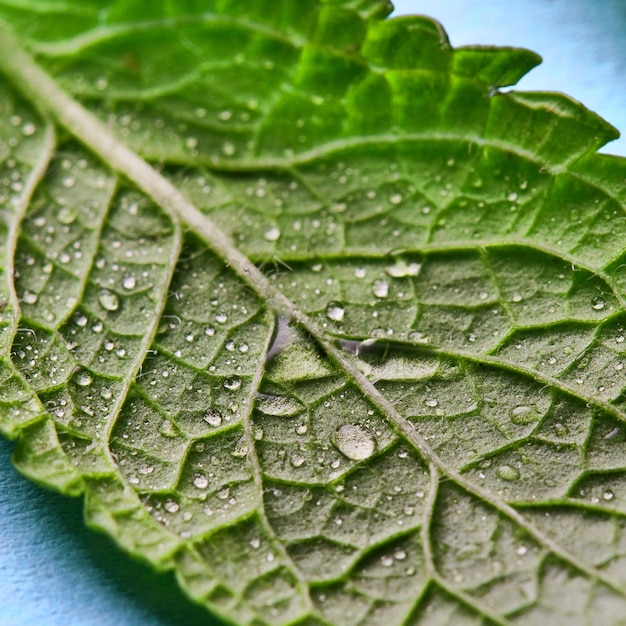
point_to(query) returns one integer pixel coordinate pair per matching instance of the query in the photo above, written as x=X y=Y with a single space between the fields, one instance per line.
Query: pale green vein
x=257 y=473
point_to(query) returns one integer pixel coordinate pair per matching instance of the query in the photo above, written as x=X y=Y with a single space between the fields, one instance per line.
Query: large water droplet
x=355 y=442
x=335 y=311
x=108 y=300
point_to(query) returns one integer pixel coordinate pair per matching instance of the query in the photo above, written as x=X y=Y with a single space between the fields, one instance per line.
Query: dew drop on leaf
x=506 y=472
x=171 y=506
x=108 y=300
x=401 y=268
x=272 y=234
x=233 y=383
x=212 y=418
x=200 y=481
x=380 y=288
x=83 y=378
x=354 y=441
x=597 y=303
x=335 y=311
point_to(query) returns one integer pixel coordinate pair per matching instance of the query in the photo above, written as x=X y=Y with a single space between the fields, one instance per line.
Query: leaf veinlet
x=382 y=392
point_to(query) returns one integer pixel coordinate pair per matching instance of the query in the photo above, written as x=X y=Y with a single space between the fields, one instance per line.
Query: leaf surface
x=314 y=315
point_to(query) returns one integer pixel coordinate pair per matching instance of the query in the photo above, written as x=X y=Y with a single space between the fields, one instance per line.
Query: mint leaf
x=350 y=351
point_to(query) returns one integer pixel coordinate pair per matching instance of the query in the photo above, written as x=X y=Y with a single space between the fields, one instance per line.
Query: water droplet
x=597 y=303
x=241 y=449
x=359 y=272
x=129 y=282
x=29 y=297
x=223 y=494
x=68 y=182
x=401 y=268
x=399 y=555
x=166 y=428
x=171 y=506
x=506 y=472
x=212 y=418
x=233 y=383
x=282 y=406
x=200 y=481
x=83 y=378
x=221 y=318
x=272 y=234
x=297 y=460
x=380 y=288
x=67 y=215
x=522 y=550
x=522 y=415
x=386 y=561
x=81 y=319
x=608 y=495
x=335 y=311
x=395 y=199
x=355 y=442
x=228 y=148
x=431 y=402
x=108 y=300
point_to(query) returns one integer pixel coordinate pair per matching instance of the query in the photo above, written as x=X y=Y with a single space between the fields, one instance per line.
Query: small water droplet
x=386 y=561
x=506 y=472
x=272 y=234
x=431 y=402
x=354 y=442
x=29 y=297
x=608 y=495
x=523 y=415
x=233 y=383
x=597 y=303
x=212 y=418
x=380 y=288
x=223 y=494
x=399 y=555
x=200 y=481
x=129 y=282
x=67 y=215
x=240 y=450
x=83 y=378
x=297 y=460
x=108 y=300
x=335 y=311
x=171 y=506
x=402 y=268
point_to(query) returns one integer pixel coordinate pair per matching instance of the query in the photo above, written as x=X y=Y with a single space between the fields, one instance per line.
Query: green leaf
x=314 y=315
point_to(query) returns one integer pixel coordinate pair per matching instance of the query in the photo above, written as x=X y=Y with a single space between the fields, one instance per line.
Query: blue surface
x=54 y=572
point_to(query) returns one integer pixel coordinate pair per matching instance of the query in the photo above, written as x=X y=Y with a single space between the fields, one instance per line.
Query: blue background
x=53 y=571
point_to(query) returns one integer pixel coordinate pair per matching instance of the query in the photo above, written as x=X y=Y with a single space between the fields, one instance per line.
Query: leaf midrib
x=43 y=92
